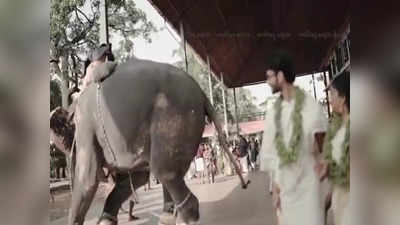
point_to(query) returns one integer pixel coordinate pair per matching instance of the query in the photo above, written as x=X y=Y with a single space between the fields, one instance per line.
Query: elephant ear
x=62 y=129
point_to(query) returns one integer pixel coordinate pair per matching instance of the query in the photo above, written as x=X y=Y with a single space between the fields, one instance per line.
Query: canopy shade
x=238 y=36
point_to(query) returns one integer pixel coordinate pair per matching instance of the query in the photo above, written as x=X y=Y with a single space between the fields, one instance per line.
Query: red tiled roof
x=209 y=131
x=244 y=127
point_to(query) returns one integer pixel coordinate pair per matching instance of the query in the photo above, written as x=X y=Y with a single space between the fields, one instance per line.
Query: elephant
x=146 y=116
x=62 y=131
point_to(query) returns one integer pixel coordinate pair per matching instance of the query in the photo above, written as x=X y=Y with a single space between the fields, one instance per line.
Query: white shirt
x=299 y=184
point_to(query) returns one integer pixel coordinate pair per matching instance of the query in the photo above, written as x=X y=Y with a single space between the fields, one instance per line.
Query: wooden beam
x=236 y=113
x=228 y=28
x=326 y=76
x=183 y=42
x=313 y=82
x=209 y=82
x=224 y=103
x=104 y=36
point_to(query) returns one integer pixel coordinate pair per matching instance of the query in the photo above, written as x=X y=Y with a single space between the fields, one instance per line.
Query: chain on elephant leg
x=187 y=211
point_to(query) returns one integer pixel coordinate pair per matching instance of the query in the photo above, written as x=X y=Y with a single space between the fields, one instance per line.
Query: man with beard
x=293 y=135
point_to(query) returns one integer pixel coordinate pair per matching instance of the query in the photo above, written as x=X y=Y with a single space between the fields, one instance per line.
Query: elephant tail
x=212 y=115
x=72 y=163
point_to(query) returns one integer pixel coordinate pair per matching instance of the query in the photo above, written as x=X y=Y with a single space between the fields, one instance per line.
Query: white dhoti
x=191 y=171
x=244 y=164
x=199 y=164
x=228 y=170
x=300 y=188
x=302 y=206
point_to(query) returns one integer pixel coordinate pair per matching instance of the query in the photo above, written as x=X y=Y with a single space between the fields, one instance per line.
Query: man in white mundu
x=293 y=134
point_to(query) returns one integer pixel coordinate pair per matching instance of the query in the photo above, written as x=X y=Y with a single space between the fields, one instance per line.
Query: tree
x=74 y=31
x=268 y=103
x=246 y=108
x=55 y=95
x=199 y=72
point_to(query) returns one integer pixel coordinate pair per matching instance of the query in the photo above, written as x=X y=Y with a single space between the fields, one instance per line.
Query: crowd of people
x=210 y=160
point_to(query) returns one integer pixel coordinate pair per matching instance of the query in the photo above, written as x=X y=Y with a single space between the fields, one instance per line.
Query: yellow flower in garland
x=289 y=154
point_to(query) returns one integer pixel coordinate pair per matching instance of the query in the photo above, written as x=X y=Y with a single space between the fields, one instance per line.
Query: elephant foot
x=180 y=221
x=189 y=223
x=167 y=219
x=132 y=218
x=107 y=222
x=107 y=219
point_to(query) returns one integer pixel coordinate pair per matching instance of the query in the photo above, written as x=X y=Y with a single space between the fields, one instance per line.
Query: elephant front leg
x=85 y=182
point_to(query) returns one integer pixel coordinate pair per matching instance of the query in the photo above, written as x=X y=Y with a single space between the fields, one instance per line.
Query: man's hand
x=321 y=168
x=276 y=196
x=276 y=201
x=319 y=141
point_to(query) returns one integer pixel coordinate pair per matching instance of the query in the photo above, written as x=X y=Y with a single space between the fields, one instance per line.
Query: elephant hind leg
x=171 y=173
x=186 y=204
x=175 y=137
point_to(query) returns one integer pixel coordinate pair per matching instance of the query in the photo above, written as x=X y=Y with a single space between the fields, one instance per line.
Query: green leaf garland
x=339 y=172
x=289 y=154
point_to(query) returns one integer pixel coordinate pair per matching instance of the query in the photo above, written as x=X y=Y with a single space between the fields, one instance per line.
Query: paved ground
x=63 y=184
x=221 y=203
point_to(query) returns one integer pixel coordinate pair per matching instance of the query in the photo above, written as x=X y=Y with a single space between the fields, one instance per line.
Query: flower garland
x=289 y=154
x=339 y=172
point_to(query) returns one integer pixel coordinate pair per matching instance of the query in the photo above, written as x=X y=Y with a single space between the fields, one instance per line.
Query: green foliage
x=289 y=154
x=74 y=29
x=245 y=104
x=199 y=72
x=55 y=95
x=339 y=172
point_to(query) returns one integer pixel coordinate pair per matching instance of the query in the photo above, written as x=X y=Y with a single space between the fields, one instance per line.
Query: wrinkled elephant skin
x=146 y=115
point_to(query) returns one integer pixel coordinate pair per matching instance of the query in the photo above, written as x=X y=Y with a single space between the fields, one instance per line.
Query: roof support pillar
x=331 y=70
x=224 y=102
x=326 y=76
x=209 y=81
x=183 y=40
x=104 y=37
x=236 y=114
x=313 y=82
